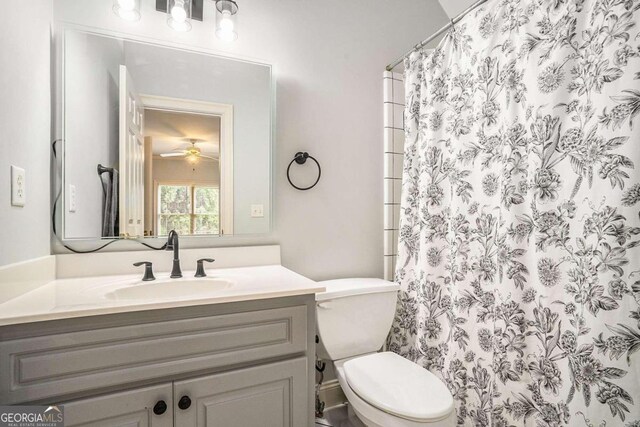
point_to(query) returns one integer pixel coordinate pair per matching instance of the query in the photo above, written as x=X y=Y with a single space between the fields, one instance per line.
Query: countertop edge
x=158 y=305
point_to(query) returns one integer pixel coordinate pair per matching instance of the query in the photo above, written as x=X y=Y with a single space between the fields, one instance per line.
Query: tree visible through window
x=188 y=209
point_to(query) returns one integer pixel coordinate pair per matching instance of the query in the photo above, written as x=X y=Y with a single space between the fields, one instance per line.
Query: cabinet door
x=134 y=408
x=272 y=395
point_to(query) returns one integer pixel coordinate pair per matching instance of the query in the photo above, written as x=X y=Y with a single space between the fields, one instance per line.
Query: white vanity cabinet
x=241 y=364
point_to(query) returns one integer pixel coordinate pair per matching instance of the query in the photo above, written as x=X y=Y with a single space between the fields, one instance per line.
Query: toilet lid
x=398 y=386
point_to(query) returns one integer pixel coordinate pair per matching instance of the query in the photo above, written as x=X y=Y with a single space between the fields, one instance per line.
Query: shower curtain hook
x=453 y=23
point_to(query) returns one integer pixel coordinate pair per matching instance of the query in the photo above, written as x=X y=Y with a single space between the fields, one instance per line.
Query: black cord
x=301 y=158
x=53 y=219
x=320 y=367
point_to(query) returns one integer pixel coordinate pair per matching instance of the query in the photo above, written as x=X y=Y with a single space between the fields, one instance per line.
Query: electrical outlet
x=18 y=187
x=72 y=198
x=257 y=211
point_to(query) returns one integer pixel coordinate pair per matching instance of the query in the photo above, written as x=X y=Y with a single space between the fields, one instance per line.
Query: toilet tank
x=354 y=316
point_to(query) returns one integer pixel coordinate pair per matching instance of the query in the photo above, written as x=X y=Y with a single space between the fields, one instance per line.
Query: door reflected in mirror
x=180 y=140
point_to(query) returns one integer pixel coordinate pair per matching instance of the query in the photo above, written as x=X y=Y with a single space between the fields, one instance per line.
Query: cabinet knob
x=160 y=407
x=184 y=403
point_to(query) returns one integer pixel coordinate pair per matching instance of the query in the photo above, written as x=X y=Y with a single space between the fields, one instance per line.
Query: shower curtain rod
x=437 y=34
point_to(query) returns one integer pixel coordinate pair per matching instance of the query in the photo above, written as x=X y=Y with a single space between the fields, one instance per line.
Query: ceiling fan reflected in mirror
x=192 y=154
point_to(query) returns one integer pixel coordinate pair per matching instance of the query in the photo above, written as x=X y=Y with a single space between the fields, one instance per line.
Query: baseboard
x=331 y=394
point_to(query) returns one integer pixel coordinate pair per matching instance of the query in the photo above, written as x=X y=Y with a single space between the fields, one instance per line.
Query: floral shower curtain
x=519 y=247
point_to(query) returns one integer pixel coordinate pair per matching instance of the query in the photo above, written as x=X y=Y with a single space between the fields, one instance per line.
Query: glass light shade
x=226 y=20
x=128 y=10
x=179 y=14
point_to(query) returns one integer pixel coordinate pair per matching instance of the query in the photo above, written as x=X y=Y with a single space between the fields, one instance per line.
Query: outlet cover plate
x=72 y=198
x=18 y=187
x=257 y=211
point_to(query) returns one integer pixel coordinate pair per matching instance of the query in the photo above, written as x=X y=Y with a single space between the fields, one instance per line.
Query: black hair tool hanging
x=301 y=158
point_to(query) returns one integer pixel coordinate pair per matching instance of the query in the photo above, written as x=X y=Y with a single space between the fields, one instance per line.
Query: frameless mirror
x=158 y=138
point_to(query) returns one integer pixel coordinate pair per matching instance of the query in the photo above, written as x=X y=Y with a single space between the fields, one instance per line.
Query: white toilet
x=354 y=317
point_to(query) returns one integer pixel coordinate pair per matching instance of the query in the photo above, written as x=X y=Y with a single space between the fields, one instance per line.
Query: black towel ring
x=301 y=158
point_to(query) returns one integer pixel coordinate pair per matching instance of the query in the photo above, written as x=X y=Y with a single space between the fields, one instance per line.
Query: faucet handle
x=200 y=269
x=148 y=270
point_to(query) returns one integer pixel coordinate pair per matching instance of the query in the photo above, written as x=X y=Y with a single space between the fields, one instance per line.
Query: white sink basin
x=170 y=289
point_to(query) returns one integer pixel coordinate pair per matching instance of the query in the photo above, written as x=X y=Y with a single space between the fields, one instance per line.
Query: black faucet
x=173 y=244
x=148 y=270
x=200 y=269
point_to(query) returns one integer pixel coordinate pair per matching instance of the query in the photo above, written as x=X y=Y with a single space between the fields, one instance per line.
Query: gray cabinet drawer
x=38 y=368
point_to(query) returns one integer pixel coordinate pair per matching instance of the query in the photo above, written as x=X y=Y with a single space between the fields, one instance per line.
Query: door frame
x=225 y=112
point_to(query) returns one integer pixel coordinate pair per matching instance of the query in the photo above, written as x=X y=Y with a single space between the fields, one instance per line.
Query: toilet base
x=354 y=416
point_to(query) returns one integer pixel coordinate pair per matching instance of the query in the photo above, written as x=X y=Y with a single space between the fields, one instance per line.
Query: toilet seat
x=387 y=390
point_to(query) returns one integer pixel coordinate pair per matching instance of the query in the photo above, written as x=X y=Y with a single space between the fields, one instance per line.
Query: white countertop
x=92 y=296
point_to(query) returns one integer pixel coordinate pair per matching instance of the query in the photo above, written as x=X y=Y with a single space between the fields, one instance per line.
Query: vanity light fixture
x=179 y=14
x=226 y=25
x=128 y=10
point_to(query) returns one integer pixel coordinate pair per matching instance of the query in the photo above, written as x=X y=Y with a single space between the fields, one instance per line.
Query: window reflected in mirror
x=188 y=209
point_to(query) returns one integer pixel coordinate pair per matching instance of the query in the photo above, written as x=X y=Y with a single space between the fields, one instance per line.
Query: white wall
x=25 y=39
x=328 y=59
x=455 y=7
x=178 y=170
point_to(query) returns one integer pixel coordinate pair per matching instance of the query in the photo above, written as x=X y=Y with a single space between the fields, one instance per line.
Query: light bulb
x=127 y=5
x=225 y=30
x=226 y=24
x=127 y=9
x=178 y=13
x=179 y=16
